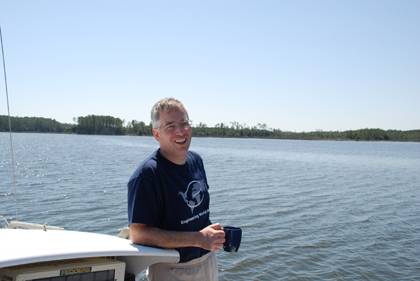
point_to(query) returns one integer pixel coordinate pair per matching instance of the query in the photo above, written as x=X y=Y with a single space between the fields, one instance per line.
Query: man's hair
x=166 y=104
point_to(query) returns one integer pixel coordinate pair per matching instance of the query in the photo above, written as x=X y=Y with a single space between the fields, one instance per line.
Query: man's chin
x=184 y=147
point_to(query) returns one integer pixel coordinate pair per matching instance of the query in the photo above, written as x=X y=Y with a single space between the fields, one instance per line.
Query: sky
x=292 y=65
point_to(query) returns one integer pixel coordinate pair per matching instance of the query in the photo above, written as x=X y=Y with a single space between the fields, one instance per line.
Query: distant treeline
x=108 y=125
x=34 y=124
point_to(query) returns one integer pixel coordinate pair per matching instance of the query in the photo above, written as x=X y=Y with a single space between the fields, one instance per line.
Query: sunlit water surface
x=309 y=210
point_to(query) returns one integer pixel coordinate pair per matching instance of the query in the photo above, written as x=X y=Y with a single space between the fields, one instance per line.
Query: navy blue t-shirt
x=171 y=197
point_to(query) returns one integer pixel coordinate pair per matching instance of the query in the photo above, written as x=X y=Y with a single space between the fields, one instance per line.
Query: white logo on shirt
x=194 y=194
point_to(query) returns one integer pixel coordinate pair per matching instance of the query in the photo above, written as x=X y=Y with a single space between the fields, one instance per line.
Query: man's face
x=173 y=134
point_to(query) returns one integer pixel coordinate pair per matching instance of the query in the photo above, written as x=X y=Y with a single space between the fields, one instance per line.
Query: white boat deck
x=23 y=246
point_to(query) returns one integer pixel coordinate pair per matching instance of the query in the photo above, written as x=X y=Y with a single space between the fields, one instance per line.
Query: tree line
x=108 y=125
x=34 y=124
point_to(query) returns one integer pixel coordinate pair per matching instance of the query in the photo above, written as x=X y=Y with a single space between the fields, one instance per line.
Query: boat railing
x=3 y=222
x=29 y=225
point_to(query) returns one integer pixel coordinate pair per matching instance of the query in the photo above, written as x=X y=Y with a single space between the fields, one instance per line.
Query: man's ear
x=156 y=134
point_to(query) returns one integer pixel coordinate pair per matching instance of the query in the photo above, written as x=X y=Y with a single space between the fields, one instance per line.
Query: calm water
x=309 y=210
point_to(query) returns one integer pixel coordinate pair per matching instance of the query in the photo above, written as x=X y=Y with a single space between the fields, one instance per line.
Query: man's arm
x=210 y=238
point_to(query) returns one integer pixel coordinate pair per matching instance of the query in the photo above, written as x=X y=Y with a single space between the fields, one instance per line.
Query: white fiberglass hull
x=23 y=246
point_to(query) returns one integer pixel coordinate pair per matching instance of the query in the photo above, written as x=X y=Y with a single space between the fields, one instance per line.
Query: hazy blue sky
x=294 y=65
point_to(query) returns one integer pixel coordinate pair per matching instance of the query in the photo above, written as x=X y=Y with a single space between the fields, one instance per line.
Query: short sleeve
x=201 y=165
x=143 y=200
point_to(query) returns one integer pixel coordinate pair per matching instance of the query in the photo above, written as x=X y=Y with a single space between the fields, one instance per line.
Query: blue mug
x=233 y=236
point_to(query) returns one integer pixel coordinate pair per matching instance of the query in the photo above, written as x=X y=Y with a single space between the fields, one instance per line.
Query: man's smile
x=181 y=141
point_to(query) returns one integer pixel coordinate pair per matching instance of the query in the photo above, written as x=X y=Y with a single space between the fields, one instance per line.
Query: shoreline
x=224 y=137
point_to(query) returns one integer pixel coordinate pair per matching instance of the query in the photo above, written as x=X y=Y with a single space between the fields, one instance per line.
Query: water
x=309 y=210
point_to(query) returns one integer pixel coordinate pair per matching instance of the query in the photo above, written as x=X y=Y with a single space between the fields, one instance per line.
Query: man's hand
x=212 y=237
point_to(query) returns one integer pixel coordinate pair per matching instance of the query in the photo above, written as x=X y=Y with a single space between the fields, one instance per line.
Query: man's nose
x=179 y=130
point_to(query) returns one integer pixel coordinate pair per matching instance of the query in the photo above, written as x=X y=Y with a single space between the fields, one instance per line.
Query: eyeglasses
x=171 y=127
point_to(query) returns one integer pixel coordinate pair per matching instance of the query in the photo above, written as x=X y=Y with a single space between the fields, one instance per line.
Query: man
x=168 y=200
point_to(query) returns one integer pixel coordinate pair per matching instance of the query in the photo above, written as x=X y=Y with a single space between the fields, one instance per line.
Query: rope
x=12 y=154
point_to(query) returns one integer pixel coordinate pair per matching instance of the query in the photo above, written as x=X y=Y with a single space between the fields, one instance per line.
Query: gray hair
x=166 y=104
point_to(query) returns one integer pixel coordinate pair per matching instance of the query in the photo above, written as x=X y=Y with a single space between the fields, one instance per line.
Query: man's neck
x=176 y=159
